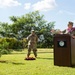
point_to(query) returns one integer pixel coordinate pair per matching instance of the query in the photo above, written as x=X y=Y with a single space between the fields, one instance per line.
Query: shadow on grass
x=3 y=61
x=73 y=66
x=15 y=63
x=45 y=58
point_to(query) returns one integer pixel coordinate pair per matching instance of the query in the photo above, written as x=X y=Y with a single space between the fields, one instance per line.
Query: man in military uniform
x=32 y=43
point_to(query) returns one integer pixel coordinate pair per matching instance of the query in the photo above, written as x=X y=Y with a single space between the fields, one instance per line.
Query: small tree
x=3 y=47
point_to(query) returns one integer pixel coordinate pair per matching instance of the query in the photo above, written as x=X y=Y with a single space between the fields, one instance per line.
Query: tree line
x=21 y=27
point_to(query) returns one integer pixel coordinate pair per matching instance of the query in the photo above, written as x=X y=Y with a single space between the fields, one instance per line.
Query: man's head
x=70 y=24
x=32 y=32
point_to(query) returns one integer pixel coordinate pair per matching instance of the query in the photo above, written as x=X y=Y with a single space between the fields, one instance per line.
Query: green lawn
x=44 y=64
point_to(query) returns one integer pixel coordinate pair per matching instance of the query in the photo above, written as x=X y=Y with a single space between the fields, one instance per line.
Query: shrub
x=12 y=43
x=4 y=51
x=24 y=42
x=3 y=46
x=0 y=53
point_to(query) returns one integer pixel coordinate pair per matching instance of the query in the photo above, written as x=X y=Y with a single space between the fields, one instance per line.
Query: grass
x=14 y=64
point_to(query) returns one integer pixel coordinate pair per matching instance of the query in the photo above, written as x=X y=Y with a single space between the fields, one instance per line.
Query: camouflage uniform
x=32 y=44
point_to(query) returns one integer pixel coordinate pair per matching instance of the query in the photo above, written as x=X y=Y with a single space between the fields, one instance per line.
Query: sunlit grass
x=44 y=64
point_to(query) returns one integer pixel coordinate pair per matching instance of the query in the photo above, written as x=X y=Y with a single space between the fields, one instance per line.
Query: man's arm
x=28 y=38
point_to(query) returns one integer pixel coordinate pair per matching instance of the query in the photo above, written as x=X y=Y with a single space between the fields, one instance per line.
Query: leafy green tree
x=4 y=47
x=5 y=30
x=13 y=18
x=21 y=27
x=47 y=41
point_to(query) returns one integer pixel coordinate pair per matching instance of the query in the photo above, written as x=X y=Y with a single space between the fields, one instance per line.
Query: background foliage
x=16 y=32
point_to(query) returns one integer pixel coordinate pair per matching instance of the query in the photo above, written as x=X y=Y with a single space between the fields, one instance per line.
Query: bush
x=0 y=53
x=24 y=42
x=4 y=51
x=12 y=43
x=3 y=46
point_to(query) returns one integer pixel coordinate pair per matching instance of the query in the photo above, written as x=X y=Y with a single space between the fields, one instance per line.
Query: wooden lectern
x=64 y=50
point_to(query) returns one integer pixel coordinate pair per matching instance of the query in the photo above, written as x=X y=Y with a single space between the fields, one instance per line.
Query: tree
x=4 y=47
x=13 y=18
x=21 y=27
x=6 y=30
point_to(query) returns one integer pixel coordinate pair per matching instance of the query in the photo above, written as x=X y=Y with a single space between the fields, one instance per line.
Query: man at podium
x=64 y=47
x=70 y=30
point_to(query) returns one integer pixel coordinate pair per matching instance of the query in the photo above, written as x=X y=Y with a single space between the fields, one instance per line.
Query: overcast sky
x=60 y=11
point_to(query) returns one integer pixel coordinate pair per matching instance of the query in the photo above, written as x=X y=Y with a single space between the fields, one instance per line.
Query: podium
x=64 y=50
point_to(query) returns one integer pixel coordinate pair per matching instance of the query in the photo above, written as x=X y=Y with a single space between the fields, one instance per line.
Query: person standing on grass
x=32 y=43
